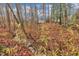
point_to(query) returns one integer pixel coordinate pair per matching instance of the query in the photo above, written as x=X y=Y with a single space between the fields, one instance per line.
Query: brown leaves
x=46 y=39
x=19 y=47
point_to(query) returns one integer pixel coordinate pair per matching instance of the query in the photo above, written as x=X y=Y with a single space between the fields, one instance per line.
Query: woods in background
x=39 y=29
x=21 y=12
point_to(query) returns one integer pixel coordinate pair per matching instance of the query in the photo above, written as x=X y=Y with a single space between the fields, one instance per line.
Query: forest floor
x=46 y=39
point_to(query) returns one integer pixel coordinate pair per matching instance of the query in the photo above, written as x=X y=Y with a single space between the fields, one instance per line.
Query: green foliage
x=1 y=47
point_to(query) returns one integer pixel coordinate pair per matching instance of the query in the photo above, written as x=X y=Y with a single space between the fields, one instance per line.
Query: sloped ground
x=10 y=47
x=56 y=40
x=46 y=39
x=61 y=41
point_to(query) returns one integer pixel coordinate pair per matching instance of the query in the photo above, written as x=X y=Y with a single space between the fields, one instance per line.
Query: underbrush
x=49 y=39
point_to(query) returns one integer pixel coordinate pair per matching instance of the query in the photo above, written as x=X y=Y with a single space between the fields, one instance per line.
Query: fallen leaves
x=16 y=46
x=46 y=39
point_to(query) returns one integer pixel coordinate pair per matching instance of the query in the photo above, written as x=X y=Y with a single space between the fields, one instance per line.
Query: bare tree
x=13 y=13
x=8 y=18
x=44 y=10
x=2 y=15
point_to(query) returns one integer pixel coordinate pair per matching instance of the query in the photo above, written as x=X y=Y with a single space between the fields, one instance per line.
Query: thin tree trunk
x=60 y=14
x=8 y=18
x=13 y=14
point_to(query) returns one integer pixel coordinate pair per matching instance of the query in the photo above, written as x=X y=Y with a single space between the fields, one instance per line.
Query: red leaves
x=3 y=30
x=23 y=53
x=7 y=42
x=21 y=50
x=49 y=37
